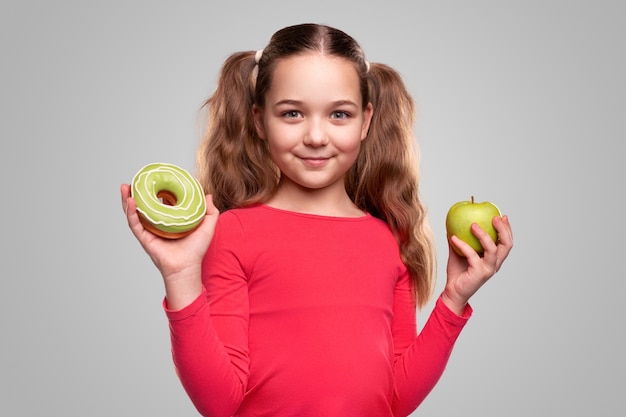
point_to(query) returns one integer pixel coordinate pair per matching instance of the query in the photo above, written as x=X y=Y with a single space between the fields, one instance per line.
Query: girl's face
x=313 y=120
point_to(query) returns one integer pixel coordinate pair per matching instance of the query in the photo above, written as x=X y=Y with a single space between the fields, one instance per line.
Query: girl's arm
x=212 y=372
x=211 y=365
x=421 y=359
x=210 y=337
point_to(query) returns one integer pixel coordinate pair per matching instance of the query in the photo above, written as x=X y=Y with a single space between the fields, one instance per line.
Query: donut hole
x=167 y=198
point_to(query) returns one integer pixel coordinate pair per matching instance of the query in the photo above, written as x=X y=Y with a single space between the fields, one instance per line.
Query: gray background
x=520 y=103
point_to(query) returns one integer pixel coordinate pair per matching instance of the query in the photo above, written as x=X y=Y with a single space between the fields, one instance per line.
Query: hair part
x=234 y=164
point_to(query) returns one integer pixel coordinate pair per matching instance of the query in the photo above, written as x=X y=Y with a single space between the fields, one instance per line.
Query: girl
x=297 y=295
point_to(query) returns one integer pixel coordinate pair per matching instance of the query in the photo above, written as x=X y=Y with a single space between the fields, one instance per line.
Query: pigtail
x=233 y=164
x=384 y=180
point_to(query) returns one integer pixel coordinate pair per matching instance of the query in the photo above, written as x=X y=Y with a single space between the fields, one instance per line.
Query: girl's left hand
x=466 y=274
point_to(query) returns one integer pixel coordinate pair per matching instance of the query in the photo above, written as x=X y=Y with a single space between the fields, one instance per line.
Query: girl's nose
x=316 y=134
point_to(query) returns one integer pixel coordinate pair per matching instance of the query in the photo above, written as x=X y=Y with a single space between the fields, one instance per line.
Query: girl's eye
x=339 y=115
x=291 y=114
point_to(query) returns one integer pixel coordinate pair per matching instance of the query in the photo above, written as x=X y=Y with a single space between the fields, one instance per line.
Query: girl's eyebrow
x=299 y=102
x=288 y=102
x=345 y=103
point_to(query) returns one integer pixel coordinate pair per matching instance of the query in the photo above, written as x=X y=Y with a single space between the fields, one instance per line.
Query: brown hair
x=234 y=165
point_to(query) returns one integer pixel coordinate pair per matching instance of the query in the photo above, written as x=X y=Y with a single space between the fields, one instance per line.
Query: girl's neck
x=323 y=202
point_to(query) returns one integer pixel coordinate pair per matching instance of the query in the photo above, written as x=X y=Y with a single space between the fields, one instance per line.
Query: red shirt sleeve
x=420 y=359
x=210 y=336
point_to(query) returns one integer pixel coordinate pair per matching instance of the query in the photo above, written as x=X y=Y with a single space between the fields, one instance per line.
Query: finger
x=489 y=255
x=452 y=246
x=133 y=218
x=505 y=232
x=457 y=262
x=125 y=193
x=503 y=227
x=483 y=237
x=509 y=230
x=505 y=239
x=462 y=246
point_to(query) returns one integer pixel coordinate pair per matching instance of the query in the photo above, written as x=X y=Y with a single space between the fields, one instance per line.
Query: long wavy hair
x=234 y=164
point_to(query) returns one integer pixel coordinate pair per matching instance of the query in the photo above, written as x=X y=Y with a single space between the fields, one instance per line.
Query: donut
x=170 y=201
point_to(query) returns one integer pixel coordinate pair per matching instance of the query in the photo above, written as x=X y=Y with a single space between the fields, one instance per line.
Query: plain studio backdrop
x=520 y=103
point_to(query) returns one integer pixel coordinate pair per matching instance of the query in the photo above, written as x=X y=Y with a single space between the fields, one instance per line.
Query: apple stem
x=472 y=199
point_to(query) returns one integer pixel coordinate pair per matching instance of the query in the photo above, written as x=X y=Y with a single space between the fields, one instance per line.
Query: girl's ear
x=257 y=114
x=368 y=112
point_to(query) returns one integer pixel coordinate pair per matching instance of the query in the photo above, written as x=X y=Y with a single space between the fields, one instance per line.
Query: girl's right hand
x=178 y=260
x=468 y=272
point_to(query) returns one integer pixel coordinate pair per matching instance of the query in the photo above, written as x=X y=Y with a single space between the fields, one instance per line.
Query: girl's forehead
x=314 y=58
x=315 y=69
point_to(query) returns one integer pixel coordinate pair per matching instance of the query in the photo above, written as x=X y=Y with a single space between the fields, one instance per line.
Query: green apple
x=461 y=216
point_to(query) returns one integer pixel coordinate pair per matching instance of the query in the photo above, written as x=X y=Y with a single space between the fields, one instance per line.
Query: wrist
x=182 y=288
x=455 y=304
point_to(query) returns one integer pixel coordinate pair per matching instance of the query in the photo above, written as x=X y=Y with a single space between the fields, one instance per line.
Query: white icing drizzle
x=190 y=206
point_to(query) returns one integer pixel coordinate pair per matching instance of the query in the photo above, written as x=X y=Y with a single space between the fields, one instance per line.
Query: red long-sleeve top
x=307 y=315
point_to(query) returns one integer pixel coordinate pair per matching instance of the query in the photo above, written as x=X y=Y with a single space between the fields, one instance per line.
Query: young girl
x=297 y=295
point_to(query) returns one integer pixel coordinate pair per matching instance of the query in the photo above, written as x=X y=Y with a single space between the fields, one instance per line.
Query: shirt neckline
x=366 y=216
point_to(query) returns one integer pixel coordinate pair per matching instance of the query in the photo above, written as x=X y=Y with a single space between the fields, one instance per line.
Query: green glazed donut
x=170 y=201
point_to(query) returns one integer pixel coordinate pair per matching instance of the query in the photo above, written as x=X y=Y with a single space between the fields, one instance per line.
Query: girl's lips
x=314 y=161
